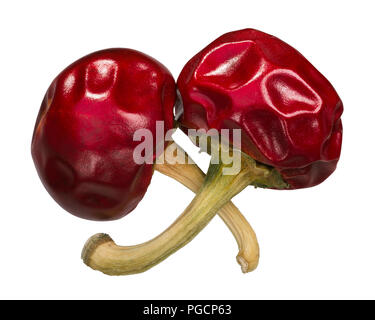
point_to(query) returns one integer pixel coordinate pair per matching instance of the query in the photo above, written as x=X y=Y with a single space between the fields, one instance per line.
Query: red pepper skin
x=83 y=144
x=288 y=112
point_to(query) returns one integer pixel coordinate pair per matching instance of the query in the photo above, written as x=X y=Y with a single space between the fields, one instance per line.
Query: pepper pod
x=84 y=144
x=83 y=138
x=288 y=115
x=287 y=112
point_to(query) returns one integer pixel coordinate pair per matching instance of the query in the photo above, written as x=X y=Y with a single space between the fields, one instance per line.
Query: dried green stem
x=180 y=167
x=101 y=253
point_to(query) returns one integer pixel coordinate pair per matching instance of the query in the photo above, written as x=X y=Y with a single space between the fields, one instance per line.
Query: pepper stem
x=101 y=253
x=180 y=167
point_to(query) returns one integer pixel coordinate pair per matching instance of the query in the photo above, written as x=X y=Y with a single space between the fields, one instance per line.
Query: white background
x=315 y=243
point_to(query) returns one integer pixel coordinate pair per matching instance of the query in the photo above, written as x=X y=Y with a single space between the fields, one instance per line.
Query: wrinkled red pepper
x=83 y=138
x=288 y=112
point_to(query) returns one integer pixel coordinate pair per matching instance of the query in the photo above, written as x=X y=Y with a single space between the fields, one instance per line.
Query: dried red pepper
x=288 y=112
x=83 y=139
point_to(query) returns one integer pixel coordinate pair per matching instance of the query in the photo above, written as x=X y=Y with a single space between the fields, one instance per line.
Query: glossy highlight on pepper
x=83 y=144
x=288 y=112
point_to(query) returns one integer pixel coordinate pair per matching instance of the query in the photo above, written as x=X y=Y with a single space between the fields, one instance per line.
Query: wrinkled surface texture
x=83 y=138
x=288 y=112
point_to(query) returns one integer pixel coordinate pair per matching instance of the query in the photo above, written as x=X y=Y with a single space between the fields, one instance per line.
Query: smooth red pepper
x=83 y=138
x=288 y=112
